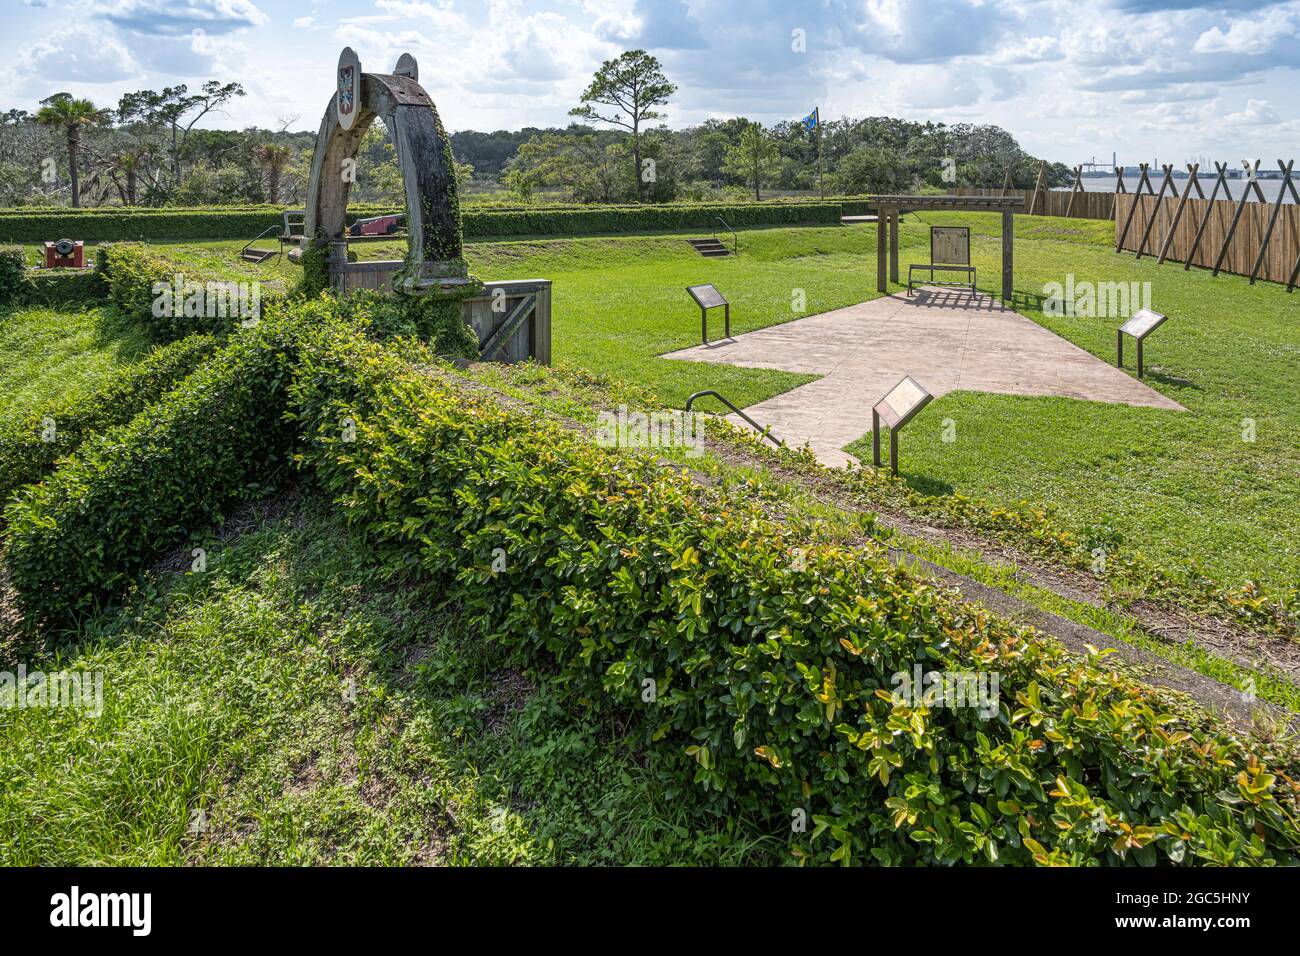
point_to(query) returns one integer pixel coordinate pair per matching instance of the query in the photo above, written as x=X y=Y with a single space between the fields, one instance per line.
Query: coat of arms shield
x=349 y=83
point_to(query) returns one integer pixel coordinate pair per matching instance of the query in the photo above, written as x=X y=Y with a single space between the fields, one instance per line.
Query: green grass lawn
x=47 y=355
x=1181 y=487
x=293 y=706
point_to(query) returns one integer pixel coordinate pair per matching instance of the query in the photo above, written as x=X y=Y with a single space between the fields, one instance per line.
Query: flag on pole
x=812 y=120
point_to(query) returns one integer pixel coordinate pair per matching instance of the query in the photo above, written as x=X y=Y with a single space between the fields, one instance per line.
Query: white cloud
x=1250 y=37
x=1256 y=111
x=78 y=54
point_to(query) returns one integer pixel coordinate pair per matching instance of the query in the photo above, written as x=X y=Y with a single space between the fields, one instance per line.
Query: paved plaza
x=946 y=339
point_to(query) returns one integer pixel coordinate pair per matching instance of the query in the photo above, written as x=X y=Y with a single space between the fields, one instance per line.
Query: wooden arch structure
x=435 y=263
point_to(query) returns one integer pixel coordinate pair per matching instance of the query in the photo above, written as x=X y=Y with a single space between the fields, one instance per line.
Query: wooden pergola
x=890 y=208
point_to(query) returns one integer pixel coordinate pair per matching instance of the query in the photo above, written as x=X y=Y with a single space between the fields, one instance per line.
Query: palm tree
x=64 y=112
x=273 y=158
x=121 y=171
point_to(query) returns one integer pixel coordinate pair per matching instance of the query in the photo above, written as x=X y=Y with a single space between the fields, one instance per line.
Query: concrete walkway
x=946 y=339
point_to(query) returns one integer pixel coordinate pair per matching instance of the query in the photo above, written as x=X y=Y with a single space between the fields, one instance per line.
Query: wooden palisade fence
x=1246 y=235
x=1081 y=205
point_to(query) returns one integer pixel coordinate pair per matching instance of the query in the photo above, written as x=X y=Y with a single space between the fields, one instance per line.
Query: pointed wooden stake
x=1236 y=217
x=1038 y=184
x=1078 y=188
x=1166 y=183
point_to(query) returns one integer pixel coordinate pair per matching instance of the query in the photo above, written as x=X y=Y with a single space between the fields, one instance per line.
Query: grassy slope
x=47 y=355
x=290 y=707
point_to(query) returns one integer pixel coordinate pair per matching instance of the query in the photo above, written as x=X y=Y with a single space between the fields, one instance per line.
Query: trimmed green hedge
x=81 y=536
x=184 y=304
x=110 y=225
x=583 y=221
x=31 y=445
x=12 y=275
x=767 y=680
x=51 y=288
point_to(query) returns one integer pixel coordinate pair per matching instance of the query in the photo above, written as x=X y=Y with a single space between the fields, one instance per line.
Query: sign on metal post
x=1143 y=323
x=899 y=406
x=707 y=297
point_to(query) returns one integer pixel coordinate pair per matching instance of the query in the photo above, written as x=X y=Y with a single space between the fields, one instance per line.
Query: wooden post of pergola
x=893 y=247
x=889 y=209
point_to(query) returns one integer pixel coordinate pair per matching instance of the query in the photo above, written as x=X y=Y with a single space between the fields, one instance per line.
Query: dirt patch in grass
x=509 y=692
x=243 y=518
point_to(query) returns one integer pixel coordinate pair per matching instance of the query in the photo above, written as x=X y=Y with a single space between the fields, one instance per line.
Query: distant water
x=1270 y=187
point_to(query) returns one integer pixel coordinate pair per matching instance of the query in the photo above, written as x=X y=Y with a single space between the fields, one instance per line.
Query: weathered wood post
x=1192 y=182
x=893 y=246
x=1008 y=254
x=882 y=240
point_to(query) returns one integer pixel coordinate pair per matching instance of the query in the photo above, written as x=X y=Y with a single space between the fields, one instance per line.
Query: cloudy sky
x=1173 y=79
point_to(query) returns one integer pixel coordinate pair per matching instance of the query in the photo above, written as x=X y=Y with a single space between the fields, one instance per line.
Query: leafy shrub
x=315 y=277
x=131 y=272
x=386 y=316
x=772 y=679
x=80 y=536
x=586 y=220
x=12 y=275
x=54 y=288
x=30 y=445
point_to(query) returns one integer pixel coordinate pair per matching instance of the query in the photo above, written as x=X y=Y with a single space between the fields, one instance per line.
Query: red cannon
x=65 y=254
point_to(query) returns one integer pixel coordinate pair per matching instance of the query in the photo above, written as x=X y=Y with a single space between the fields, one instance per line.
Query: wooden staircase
x=709 y=248
x=256 y=255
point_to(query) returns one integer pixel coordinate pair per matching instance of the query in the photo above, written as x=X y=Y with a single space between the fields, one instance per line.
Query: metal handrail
x=735 y=239
x=765 y=432
x=264 y=232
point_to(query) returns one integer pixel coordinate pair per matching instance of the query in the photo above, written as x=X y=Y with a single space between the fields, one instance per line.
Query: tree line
x=148 y=150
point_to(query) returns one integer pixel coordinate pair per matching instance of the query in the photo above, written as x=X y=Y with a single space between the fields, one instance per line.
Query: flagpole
x=821 y=181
